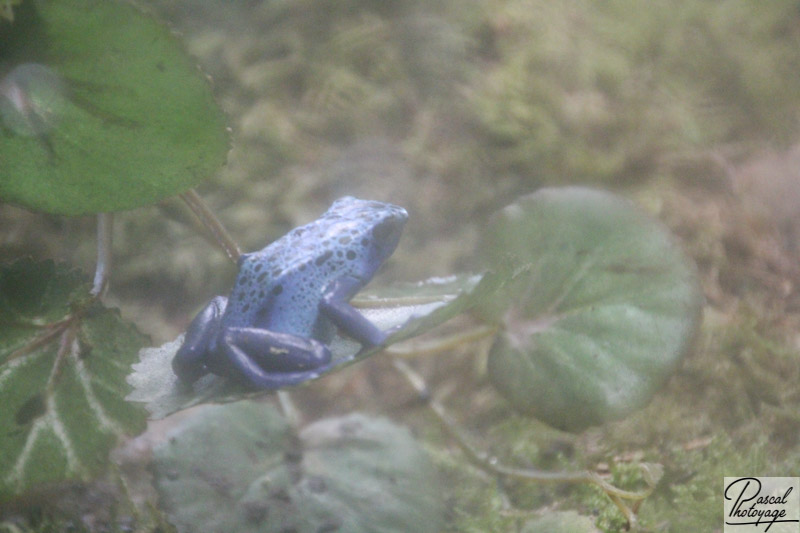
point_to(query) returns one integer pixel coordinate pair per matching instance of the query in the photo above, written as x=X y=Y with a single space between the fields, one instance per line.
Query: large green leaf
x=602 y=307
x=62 y=378
x=416 y=307
x=239 y=467
x=101 y=110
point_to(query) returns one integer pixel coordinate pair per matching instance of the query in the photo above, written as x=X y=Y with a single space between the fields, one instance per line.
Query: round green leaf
x=239 y=467
x=101 y=110
x=601 y=308
x=62 y=384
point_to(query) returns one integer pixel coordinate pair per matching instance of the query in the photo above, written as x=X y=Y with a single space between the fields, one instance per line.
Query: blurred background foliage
x=454 y=108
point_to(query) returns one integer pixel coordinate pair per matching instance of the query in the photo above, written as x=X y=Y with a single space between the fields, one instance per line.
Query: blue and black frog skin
x=289 y=298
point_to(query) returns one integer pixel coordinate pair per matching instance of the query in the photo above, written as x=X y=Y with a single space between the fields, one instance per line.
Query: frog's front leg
x=267 y=359
x=189 y=363
x=335 y=304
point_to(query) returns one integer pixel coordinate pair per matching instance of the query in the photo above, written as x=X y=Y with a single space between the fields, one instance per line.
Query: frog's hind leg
x=189 y=363
x=271 y=360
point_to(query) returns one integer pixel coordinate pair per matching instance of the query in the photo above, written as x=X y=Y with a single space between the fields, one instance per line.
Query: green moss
x=599 y=92
x=690 y=496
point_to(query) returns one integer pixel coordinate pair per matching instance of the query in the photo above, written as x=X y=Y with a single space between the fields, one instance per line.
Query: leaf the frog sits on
x=273 y=329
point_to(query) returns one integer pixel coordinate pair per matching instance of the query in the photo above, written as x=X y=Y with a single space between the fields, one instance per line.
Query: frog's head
x=379 y=225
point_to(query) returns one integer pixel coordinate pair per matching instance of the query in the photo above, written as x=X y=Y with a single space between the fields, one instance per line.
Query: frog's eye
x=383 y=230
x=385 y=236
x=389 y=228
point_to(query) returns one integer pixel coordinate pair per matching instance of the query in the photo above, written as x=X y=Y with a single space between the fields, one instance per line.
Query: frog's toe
x=188 y=363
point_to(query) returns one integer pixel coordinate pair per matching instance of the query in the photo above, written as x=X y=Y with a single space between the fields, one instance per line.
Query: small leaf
x=62 y=377
x=101 y=110
x=602 y=307
x=239 y=467
x=416 y=307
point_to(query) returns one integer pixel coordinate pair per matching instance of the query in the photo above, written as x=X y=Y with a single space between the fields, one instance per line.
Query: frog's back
x=279 y=288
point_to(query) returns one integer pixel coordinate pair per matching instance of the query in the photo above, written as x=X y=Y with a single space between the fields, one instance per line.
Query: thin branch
x=212 y=224
x=416 y=348
x=105 y=226
x=289 y=409
x=491 y=464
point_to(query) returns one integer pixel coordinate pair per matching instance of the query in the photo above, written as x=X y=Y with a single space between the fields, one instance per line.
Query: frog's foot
x=189 y=363
x=270 y=360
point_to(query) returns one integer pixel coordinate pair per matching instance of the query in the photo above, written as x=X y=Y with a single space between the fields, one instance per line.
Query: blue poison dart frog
x=289 y=298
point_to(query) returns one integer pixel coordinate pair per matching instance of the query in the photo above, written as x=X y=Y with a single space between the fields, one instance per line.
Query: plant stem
x=212 y=224
x=491 y=465
x=415 y=348
x=105 y=225
x=289 y=409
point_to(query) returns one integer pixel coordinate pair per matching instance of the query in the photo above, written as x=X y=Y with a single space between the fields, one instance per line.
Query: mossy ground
x=454 y=108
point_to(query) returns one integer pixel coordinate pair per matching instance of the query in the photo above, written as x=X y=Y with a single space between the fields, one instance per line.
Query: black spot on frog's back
x=319 y=261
